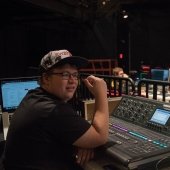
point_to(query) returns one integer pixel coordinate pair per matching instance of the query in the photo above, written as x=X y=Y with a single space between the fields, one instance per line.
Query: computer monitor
x=160 y=74
x=12 y=91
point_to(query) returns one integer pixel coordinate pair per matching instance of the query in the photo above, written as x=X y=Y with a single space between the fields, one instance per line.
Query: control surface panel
x=139 y=132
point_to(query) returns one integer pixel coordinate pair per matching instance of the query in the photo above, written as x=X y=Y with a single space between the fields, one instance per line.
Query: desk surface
x=89 y=106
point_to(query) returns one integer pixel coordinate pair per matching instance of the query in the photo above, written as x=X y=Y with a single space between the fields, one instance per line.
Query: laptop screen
x=12 y=91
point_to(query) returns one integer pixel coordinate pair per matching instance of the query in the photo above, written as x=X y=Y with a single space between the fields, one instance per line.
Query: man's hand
x=84 y=155
x=96 y=85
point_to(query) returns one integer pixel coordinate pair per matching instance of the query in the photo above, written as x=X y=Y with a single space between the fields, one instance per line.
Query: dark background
x=94 y=29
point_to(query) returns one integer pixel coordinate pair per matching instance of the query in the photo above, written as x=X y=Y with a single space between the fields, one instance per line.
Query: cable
x=160 y=161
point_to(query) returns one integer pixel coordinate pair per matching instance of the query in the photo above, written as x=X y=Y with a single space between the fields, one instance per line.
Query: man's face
x=62 y=82
x=120 y=73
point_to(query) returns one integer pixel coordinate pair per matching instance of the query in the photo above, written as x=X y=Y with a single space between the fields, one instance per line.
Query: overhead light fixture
x=125 y=14
x=105 y=1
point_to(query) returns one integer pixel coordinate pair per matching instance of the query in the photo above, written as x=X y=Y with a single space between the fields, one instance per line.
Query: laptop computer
x=12 y=91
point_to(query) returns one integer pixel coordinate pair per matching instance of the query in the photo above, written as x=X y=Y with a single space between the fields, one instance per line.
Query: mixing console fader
x=139 y=134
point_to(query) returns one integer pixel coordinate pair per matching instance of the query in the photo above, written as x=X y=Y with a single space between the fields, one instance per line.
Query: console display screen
x=160 y=116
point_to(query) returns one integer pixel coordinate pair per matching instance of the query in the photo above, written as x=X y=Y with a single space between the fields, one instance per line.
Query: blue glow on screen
x=14 y=92
x=160 y=116
x=160 y=74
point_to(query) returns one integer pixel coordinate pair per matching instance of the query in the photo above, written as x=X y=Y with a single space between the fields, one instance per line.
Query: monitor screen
x=14 y=89
x=160 y=116
x=160 y=74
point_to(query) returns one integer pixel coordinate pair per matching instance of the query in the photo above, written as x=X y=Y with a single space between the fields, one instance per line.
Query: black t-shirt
x=41 y=134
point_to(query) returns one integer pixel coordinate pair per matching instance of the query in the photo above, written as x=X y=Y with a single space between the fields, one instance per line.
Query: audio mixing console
x=139 y=135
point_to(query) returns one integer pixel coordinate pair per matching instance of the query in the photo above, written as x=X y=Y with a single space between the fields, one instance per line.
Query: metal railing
x=153 y=88
x=116 y=87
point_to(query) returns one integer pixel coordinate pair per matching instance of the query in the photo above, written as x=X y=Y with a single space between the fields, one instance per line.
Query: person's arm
x=97 y=134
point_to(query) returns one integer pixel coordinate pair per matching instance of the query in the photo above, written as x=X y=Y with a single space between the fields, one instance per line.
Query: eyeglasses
x=67 y=75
